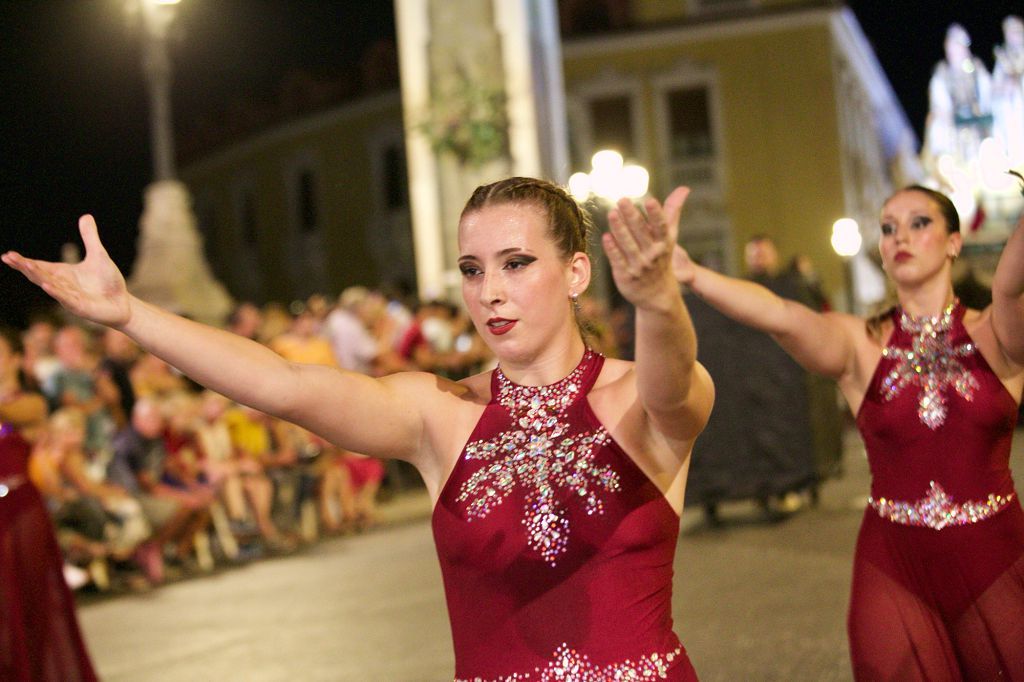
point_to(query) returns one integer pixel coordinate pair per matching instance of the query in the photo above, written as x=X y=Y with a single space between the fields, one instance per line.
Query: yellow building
x=777 y=114
x=310 y=206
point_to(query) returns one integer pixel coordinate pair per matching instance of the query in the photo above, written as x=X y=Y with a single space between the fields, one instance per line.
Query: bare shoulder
x=866 y=337
x=856 y=327
x=449 y=410
x=476 y=388
x=978 y=324
x=614 y=371
x=424 y=385
x=614 y=391
x=436 y=399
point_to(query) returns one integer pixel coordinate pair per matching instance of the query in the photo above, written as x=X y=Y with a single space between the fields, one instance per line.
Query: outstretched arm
x=820 y=342
x=1008 y=297
x=344 y=407
x=674 y=389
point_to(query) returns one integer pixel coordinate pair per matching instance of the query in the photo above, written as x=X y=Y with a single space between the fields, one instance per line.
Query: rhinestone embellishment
x=568 y=665
x=932 y=363
x=937 y=510
x=539 y=455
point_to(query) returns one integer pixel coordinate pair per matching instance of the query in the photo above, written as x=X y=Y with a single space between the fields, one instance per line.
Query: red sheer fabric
x=938 y=580
x=556 y=550
x=39 y=636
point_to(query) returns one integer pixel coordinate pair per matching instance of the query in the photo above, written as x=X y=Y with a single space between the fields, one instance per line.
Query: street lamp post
x=157 y=16
x=170 y=269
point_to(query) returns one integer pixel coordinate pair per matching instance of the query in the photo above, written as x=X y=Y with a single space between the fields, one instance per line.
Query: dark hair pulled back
x=569 y=224
x=945 y=204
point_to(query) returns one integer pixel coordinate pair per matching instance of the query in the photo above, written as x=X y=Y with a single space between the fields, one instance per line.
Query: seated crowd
x=148 y=474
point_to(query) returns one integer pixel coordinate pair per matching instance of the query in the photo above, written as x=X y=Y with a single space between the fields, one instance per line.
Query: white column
x=413 y=30
x=515 y=46
x=532 y=54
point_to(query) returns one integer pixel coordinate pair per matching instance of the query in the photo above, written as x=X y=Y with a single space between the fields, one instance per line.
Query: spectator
x=119 y=356
x=38 y=362
x=151 y=377
x=139 y=464
x=302 y=343
x=245 y=320
x=345 y=327
x=253 y=442
x=77 y=384
x=801 y=268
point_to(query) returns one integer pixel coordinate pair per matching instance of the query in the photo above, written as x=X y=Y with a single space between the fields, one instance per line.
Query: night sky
x=74 y=134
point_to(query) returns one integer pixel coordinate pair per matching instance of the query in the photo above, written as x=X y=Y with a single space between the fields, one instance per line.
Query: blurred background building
x=777 y=114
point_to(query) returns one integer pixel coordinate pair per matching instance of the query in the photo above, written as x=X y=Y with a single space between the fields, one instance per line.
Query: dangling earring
x=953 y=256
x=575 y=301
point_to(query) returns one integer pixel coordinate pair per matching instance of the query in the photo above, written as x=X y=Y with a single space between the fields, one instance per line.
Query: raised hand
x=683 y=268
x=93 y=289
x=640 y=248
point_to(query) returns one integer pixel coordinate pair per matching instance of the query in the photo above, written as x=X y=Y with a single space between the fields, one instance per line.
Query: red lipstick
x=500 y=325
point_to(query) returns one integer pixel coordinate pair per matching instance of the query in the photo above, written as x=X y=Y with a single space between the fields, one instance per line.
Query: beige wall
x=781 y=165
x=338 y=144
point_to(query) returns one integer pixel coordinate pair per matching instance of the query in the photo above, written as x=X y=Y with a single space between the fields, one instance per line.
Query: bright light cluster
x=610 y=178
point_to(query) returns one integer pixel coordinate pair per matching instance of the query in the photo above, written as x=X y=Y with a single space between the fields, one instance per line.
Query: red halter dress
x=39 y=636
x=556 y=549
x=938 y=579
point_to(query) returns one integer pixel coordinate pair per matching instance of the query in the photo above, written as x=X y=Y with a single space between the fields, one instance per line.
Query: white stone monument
x=170 y=270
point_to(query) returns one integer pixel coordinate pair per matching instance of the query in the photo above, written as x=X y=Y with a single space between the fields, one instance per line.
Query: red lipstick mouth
x=500 y=325
x=902 y=256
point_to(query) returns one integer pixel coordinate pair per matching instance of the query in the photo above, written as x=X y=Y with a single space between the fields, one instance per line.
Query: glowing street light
x=610 y=178
x=846 y=239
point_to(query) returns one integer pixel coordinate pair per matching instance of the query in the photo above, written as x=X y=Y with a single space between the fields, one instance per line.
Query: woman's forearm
x=746 y=302
x=666 y=351
x=818 y=342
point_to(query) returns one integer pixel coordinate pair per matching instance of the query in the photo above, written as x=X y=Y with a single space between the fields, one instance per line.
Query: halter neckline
x=504 y=381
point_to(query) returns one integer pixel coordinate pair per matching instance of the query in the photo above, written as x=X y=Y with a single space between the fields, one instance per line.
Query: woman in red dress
x=938 y=576
x=39 y=636
x=558 y=478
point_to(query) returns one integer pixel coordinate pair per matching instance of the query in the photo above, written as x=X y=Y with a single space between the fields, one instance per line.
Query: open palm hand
x=640 y=248
x=93 y=289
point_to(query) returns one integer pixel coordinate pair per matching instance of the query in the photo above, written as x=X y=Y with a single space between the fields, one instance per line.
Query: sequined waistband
x=569 y=665
x=937 y=510
x=10 y=484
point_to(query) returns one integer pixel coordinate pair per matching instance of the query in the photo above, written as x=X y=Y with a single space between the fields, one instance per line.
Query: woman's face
x=515 y=282
x=915 y=243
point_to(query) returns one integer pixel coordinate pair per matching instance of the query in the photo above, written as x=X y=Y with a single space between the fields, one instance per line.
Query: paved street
x=753 y=601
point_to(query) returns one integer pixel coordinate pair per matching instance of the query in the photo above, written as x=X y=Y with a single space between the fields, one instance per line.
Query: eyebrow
x=503 y=252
